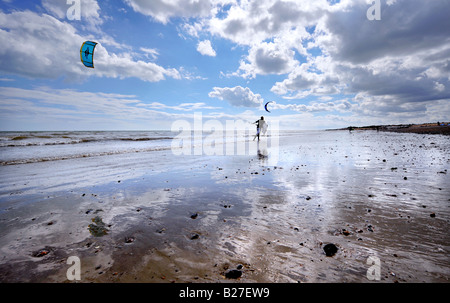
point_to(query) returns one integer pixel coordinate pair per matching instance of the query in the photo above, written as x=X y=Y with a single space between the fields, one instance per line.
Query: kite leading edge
x=265 y=106
x=87 y=53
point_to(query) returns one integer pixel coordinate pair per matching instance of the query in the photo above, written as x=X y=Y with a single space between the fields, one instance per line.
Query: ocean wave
x=21 y=140
x=77 y=156
x=146 y=139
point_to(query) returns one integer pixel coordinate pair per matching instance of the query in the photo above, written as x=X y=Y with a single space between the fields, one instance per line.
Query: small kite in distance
x=87 y=53
x=265 y=106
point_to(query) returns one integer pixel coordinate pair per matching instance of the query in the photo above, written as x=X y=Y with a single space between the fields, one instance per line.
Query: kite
x=87 y=53
x=265 y=106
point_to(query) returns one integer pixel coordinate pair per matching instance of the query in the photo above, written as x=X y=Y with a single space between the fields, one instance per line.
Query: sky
x=323 y=63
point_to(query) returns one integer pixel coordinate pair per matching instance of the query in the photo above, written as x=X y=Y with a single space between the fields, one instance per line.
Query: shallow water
x=191 y=218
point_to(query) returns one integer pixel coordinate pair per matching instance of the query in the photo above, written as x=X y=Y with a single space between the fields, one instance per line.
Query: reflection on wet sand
x=236 y=218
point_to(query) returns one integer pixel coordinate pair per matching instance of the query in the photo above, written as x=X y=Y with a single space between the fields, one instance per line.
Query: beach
x=133 y=209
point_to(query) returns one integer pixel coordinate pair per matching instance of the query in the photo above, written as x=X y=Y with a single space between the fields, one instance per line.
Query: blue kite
x=87 y=53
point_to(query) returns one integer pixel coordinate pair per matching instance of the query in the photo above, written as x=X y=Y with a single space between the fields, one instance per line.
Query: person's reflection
x=263 y=155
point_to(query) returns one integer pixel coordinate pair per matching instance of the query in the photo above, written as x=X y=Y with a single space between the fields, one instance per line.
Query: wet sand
x=158 y=217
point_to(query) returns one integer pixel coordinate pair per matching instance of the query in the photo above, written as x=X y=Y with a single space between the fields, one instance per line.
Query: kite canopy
x=265 y=106
x=87 y=53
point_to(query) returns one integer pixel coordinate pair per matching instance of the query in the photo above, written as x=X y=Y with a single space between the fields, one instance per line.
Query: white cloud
x=68 y=108
x=407 y=27
x=188 y=75
x=187 y=107
x=41 y=46
x=191 y=29
x=152 y=52
x=163 y=10
x=317 y=76
x=123 y=66
x=252 y=22
x=237 y=96
x=79 y=103
x=439 y=86
x=204 y=47
x=268 y=58
x=338 y=106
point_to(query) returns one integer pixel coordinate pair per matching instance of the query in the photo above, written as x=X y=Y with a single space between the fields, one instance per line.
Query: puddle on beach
x=370 y=194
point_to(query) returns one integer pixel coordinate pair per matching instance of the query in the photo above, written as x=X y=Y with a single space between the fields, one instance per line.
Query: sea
x=40 y=146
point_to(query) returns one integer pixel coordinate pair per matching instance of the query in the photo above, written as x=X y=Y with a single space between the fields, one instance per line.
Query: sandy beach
x=153 y=216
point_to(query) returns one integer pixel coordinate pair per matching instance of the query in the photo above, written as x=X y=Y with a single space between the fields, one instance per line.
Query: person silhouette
x=260 y=124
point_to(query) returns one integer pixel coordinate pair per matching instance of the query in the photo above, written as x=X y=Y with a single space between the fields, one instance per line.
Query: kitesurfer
x=260 y=124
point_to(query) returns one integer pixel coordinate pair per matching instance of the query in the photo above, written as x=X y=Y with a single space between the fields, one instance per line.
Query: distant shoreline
x=443 y=128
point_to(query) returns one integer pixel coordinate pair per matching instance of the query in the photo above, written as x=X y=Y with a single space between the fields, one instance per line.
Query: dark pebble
x=194 y=236
x=233 y=274
x=161 y=230
x=432 y=215
x=330 y=249
x=194 y=216
x=130 y=239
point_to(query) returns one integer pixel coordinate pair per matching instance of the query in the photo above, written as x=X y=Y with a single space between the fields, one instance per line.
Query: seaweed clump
x=98 y=228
